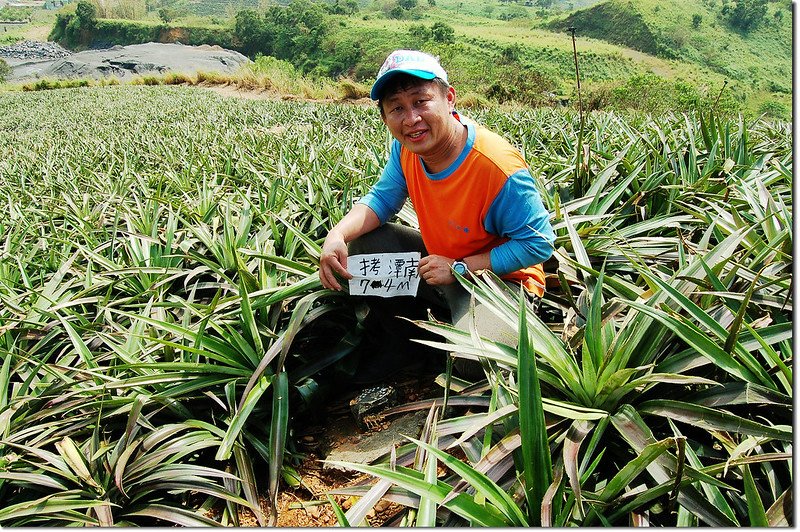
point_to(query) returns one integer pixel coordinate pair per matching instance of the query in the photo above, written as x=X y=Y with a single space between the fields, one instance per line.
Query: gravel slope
x=30 y=61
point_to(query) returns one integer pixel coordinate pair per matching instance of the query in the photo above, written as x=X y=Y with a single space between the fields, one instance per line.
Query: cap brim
x=381 y=82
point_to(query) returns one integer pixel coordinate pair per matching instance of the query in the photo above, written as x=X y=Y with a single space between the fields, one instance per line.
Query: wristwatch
x=460 y=267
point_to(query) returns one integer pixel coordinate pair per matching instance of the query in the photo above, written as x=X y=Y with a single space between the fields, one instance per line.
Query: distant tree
x=295 y=33
x=344 y=7
x=78 y=26
x=419 y=32
x=340 y=57
x=407 y=4
x=696 y=20
x=441 y=32
x=86 y=13
x=396 y=12
x=253 y=33
x=167 y=14
x=747 y=14
x=299 y=30
x=544 y=4
x=432 y=3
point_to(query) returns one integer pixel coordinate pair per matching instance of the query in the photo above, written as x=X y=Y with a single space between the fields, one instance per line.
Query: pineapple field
x=163 y=328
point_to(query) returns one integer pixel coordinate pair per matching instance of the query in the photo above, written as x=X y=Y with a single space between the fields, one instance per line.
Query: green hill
x=706 y=33
x=616 y=21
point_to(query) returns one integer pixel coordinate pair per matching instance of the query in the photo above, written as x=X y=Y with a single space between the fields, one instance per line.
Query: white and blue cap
x=411 y=62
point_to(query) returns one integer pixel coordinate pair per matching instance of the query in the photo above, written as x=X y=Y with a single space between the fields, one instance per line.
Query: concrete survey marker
x=373 y=445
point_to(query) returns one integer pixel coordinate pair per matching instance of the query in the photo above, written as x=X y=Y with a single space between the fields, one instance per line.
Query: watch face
x=460 y=267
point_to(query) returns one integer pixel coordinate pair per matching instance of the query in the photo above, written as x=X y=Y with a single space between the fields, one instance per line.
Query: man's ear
x=451 y=98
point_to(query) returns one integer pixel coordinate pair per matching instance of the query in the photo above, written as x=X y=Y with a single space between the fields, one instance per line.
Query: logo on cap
x=412 y=62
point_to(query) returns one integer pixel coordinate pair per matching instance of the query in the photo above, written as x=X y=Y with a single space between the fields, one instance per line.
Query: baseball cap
x=411 y=62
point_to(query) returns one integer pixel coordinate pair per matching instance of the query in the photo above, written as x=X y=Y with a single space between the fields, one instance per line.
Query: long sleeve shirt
x=485 y=201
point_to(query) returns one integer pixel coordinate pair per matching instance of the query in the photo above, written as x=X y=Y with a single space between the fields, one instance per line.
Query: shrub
x=597 y=96
x=419 y=32
x=340 y=57
x=151 y=79
x=86 y=12
x=295 y=32
x=441 y=32
x=343 y=7
x=74 y=29
x=178 y=78
x=353 y=90
x=16 y=13
x=774 y=86
x=109 y=81
x=519 y=82
x=124 y=32
x=514 y=12
x=396 y=12
x=167 y=14
x=773 y=109
x=511 y=53
x=473 y=100
x=5 y=70
x=214 y=78
x=253 y=32
x=747 y=14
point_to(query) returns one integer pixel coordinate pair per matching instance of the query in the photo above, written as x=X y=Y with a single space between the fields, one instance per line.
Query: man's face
x=420 y=117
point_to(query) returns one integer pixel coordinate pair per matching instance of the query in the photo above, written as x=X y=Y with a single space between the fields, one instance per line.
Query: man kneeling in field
x=477 y=205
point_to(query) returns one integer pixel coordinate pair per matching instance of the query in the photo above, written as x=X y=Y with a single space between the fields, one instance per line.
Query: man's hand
x=333 y=260
x=435 y=270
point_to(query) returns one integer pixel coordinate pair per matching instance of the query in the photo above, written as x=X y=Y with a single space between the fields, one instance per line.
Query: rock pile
x=33 y=51
x=123 y=62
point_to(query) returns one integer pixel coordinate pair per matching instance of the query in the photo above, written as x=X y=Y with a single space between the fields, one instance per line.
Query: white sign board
x=384 y=274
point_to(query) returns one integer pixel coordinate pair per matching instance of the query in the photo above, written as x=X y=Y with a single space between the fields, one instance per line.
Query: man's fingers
x=330 y=265
x=327 y=279
x=336 y=266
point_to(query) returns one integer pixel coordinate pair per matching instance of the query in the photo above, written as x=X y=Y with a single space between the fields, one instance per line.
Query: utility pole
x=571 y=29
x=580 y=181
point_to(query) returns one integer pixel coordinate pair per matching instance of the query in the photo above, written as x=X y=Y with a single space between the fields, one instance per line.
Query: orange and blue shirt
x=485 y=201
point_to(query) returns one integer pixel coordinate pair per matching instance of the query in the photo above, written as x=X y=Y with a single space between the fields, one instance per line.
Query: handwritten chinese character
x=370 y=266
